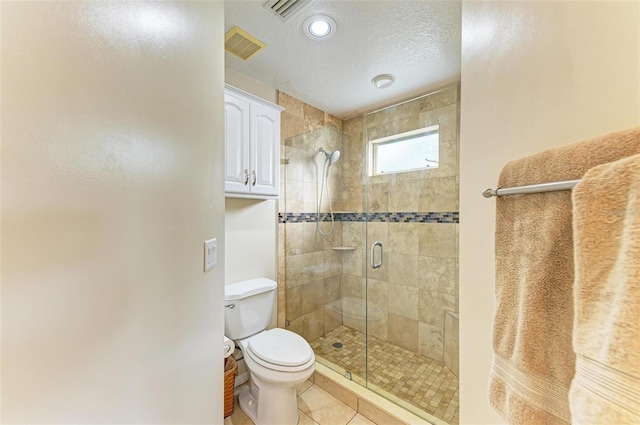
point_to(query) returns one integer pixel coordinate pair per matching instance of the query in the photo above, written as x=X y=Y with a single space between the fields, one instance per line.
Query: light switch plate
x=210 y=254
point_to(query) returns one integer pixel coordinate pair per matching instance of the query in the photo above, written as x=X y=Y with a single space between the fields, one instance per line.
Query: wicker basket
x=230 y=371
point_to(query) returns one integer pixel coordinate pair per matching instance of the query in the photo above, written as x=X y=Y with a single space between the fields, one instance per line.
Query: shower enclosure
x=377 y=297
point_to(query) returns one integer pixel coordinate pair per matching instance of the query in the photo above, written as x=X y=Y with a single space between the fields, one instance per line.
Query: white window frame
x=409 y=134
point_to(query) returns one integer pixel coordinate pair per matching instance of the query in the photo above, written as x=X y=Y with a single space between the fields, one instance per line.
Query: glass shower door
x=411 y=235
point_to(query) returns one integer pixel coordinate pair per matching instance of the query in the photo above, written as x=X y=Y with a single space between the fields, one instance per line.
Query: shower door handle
x=376 y=265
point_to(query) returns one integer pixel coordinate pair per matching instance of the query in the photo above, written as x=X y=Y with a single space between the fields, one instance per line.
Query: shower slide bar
x=532 y=188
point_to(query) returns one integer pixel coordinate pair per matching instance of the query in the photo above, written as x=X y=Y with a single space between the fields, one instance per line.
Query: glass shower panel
x=324 y=271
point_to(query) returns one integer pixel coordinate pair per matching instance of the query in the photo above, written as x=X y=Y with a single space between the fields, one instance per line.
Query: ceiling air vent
x=241 y=43
x=285 y=9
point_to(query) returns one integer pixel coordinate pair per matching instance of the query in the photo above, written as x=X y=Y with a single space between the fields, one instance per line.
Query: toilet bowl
x=277 y=359
x=274 y=375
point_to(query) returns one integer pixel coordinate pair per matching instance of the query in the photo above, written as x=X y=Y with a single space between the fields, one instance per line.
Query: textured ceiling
x=417 y=41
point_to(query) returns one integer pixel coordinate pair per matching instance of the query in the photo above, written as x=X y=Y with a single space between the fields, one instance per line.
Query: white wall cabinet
x=252 y=146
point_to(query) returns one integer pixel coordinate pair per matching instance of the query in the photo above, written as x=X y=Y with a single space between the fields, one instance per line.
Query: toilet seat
x=281 y=350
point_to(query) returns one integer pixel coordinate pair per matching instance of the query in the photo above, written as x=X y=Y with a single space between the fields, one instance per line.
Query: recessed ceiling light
x=320 y=27
x=383 y=81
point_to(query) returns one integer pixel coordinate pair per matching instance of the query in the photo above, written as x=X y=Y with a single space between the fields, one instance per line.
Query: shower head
x=332 y=157
x=335 y=156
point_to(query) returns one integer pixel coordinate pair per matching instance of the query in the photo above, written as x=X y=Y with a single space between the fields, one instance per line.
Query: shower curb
x=369 y=404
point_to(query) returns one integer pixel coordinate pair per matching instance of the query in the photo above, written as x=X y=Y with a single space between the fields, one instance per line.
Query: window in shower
x=410 y=151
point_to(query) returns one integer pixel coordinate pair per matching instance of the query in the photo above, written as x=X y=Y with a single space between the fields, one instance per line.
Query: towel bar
x=532 y=188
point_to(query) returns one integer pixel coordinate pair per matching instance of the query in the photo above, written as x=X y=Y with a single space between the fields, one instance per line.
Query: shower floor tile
x=416 y=379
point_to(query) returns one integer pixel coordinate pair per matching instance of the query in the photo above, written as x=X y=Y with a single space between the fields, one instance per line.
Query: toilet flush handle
x=230 y=306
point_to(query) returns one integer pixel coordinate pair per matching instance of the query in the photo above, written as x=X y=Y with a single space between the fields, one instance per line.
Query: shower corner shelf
x=343 y=248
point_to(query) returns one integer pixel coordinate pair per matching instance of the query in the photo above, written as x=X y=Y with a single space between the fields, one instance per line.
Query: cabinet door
x=265 y=150
x=236 y=163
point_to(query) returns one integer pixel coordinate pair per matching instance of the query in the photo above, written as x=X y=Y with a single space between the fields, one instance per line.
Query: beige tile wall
x=451 y=341
x=418 y=282
x=310 y=272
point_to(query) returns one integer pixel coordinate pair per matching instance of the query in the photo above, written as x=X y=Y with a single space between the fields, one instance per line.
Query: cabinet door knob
x=246 y=176
x=255 y=178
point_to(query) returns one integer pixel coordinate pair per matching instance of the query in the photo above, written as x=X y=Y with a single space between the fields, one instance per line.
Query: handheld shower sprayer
x=329 y=160
x=335 y=156
x=332 y=157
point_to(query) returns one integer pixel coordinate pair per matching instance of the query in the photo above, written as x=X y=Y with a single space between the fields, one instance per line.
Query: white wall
x=250 y=85
x=111 y=181
x=251 y=237
x=534 y=75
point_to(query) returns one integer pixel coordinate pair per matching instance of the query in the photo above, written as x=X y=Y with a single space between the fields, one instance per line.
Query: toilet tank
x=248 y=305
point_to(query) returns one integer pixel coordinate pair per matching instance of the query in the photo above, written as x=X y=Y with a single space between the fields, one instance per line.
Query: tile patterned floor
x=315 y=407
x=419 y=380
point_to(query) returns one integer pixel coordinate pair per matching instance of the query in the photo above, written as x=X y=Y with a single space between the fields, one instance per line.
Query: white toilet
x=278 y=360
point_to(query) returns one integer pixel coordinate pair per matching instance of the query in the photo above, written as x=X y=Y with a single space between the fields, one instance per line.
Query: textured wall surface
x=535 y=75
x=111 y=180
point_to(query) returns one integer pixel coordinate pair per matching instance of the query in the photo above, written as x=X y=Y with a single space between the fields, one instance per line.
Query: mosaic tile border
x=383 y=217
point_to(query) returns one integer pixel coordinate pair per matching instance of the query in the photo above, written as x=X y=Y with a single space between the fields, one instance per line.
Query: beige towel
x=606 y=333
x=534 y=361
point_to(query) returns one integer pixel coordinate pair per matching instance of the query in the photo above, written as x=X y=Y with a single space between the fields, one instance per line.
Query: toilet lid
x=281 y=347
